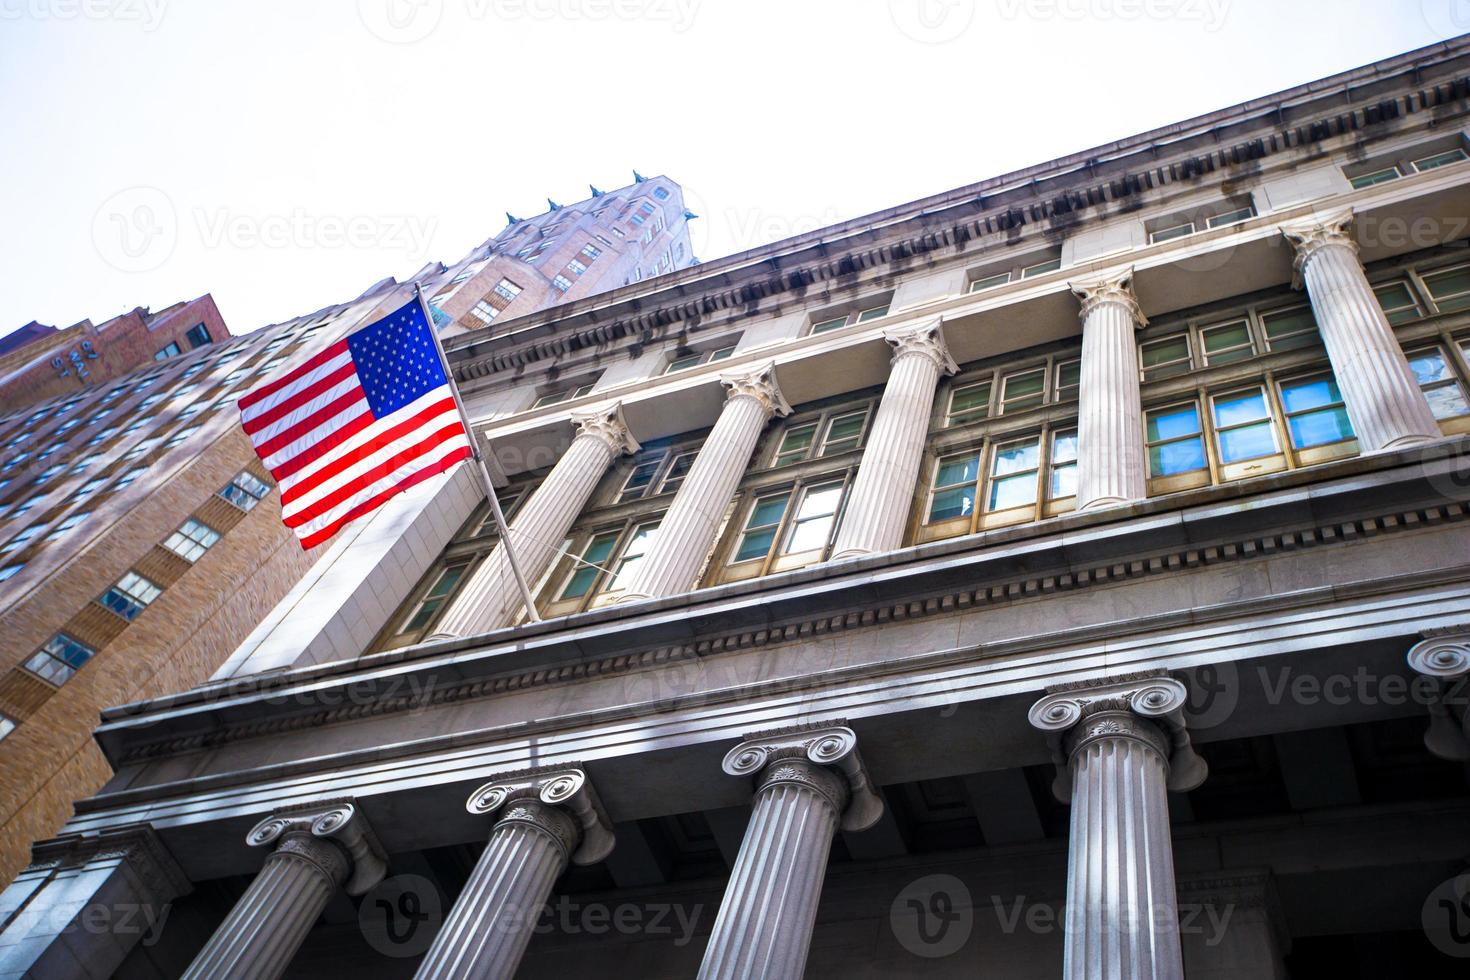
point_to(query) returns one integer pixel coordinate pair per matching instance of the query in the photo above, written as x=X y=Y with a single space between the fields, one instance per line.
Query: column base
x=1404 y=442
x=847 y=553
x=1102 y=502
x=627 y=597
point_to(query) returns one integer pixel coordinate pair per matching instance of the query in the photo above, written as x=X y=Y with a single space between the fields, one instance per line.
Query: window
x=1013 y=469
x=1439 y=160
x=563 y=395
x=7 y=725
x=1175 y=440
x=1243 y=426
x=22 y=539
x=67 y=523
x=102 y=436
x=761 y=527
x=59 y=659
x=1233 y=217
x=277 y=344
x=872 y=313
x=598 y=550
x=968 y=403
x=1441 y=387
x=141 y=448
x=9 y=571
x=954 y=487
x=1041 y=268
x=434 y=598
x=1173 y=231
x=484 y=312
x=661 y=193
x=1315 y=414
x=1063 y=481
x=1290 y=328
x=50 y=471
x=129 y=477
x=990 y=282
x=846 y=319
x=90 y=486
x=699 y=357
x=507 y=290
x=1226 y=343
x=1450 y=288
x=191 y=540
x=245 y=490
x=27 y=504
x=236 y=375
x=180 y=436
x=633 y=553
x=198 y=335
x=1068 y=378
x=130 y=596
x=843 y=432
x=678 y=470
x=561 y=282
x=590 y=252
x=816 y=514
x=832 y=324
x=16 y=460
x=643 y=480
x=576 y=267
x=1376 y=177
x=1398 y=302
x=796 y=443
x=86 y=462
x=641 y=214
x=1022 y=390
x=172 y=350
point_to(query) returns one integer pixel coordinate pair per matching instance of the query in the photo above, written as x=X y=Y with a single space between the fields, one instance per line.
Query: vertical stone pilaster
x=545 y=819
x=1120 y=746
x=490 y=599
x=809 y=781
x=1444 y=657
x=318 y=848
x=883 y=490
x=687 y=532
x=1110 y=446
x=1379 y=390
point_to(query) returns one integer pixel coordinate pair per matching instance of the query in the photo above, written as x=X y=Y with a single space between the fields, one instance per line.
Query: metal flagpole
x=500 y=525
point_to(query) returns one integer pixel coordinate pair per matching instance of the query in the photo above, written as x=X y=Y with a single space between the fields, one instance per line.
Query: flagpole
x=500 y=526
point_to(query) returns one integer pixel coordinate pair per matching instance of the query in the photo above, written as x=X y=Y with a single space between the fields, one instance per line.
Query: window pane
x=1064 y=481
x=832 y=324
x=1447 y=285
x=1173 y=423
x=1303 y=395
x=820 y=501
x=1224 y=344
x=872 y=314
x=1397 y=302
x=1069 y=374
x=969 y=402
x=677 y=471
x=1022 y=391
x=1429 y=366
x=1447 y=401
x=958 y=469
x=1247 y=442
x=755 y=544
x=1063 y=447
x=639 y=479
x=1235 y=409
x=843 y=432
x=990 y=282
x=1015 y=458
x=1177 y=457
x=1317 y=428
x=767 y=511
x=795 y=443
x=1165 y=358
x=595 y=553
x=1013 y=491
x=952 y=503
x=1290 y=329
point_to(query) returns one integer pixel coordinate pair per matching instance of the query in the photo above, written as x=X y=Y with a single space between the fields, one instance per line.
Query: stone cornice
x=258 y=707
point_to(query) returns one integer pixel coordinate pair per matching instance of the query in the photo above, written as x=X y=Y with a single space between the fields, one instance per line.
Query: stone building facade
x=140 y=540
x=1064 y=575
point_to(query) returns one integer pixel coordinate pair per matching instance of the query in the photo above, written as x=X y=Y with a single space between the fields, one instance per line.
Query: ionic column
x=545 y=818
x=1119 y=748
x=1110 y=466
x=1443 y=657
x=809 y=781
x=318 y=848
x=687 y=531
x=491 y=599
x=883 y=490
x=1383 y=400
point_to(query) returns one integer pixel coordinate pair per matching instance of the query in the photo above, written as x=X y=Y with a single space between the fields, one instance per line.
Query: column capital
x=1310 y=235
x=1148 y=708
x=1109 y=287
x=540 y=797
x=832 y=745
x=759 y=384
x=607 y=424
x=1444 y=656
x=926 y=341
x=339 y=821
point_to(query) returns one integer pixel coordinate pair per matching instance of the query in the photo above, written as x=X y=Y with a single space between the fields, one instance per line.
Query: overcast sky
x=284 y=154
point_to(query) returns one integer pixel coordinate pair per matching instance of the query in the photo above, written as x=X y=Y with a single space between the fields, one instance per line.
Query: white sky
x=284 y=154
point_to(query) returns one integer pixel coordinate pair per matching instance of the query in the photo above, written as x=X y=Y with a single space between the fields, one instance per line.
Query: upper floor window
x=1449 y=288
x=590 y=252
x=661 y=193
x=561 y=282
x=972 y=399
x=484 y=312
x=562 y=395
x=686 y=361
x=990 y=282
x=59 y=659
x=1437 y=160
x=22 y=539
x=67 y=523
x=507 y=290
x=130 y=596
x=1398 y=302
x=1217 y=214
x=7 y=725
x=657 y=474
x=1439 y=382
x=198 y=335
x=847 y=319
x=603 y=566
x=171 y=350
x=191 y=540
x=1001 y=482
x=426 y=608
x=832 y=432
x=1227 y=341
x=790 y=528
x=642 y=213
x=576 y=266
x=245 y=490
x=9 y=571
x=1386 y=167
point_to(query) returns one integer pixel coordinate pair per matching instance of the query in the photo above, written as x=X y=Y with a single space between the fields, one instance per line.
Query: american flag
x=356 y=423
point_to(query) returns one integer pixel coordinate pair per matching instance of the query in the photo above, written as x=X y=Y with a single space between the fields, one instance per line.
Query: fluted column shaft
x=1110 y=446
x=267 y=925
x=764 y=928
x=1382 y=397
x=883 y=490
x=490 y=599
x=687 y=532
x=487 y=931
x=1122 y=914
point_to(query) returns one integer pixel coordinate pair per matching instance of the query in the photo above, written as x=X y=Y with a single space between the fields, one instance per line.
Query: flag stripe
x=273 y=445
x=259 y=393
x=335 y=465
x=318 y=535
x=372 y=475
x=320 y=443
x=268 y=413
